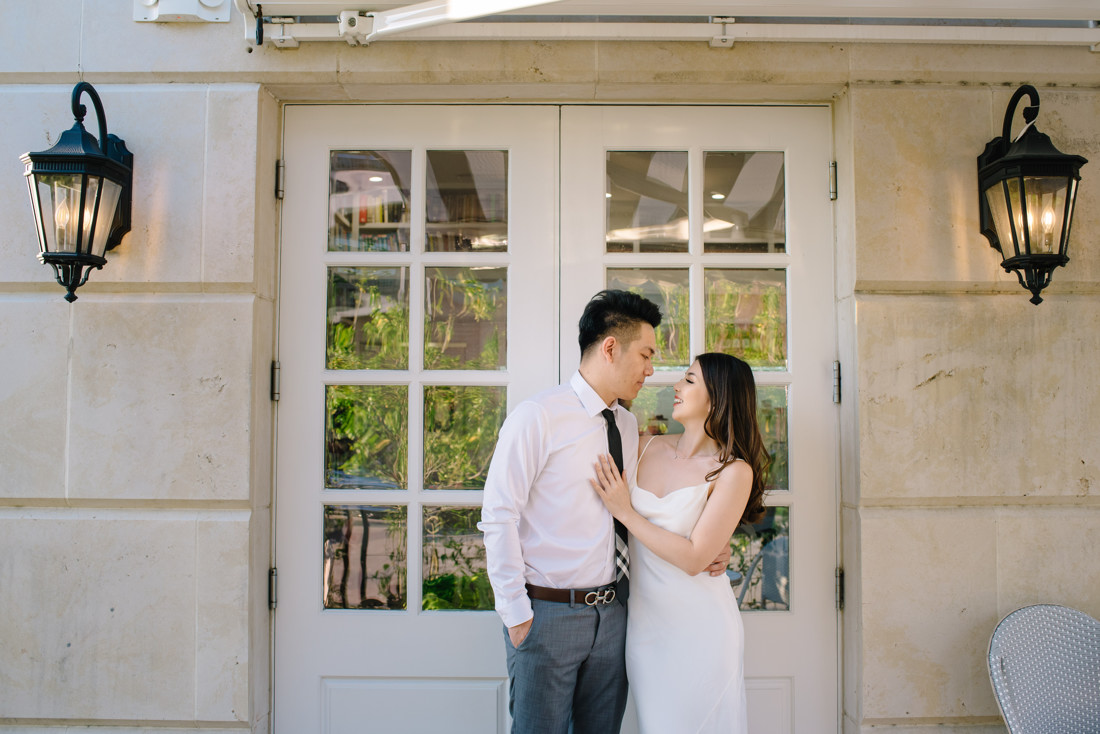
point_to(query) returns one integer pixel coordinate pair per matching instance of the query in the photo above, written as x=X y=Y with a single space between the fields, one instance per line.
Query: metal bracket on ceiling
x=724 y=40
x=356 y=26
x=281 y=37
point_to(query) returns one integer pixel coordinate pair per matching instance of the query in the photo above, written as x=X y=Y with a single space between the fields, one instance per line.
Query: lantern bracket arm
x=79 y=111
x=1031 y=112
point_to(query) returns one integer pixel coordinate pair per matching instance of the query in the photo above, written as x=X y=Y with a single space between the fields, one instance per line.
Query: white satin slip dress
x=684 y=640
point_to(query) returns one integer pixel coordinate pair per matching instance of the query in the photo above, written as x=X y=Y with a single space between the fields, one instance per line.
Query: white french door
x=418 y=300
x=722 y=216
x=434 y=262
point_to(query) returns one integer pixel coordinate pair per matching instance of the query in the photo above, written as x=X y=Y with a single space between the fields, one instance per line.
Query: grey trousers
x=568 y=676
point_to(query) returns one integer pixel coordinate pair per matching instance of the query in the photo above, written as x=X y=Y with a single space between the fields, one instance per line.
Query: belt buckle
x=600 y=596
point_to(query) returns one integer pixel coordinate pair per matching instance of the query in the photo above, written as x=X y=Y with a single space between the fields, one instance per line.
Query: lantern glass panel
x=1014 y=195
x=1046 y=207
x=108 y=203
x=87 y=221
x=59 y=196
x=1072 y=194
x=1000 y=198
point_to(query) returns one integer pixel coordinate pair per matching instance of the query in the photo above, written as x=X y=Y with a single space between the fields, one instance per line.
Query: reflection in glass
x=743 y=202
x=364 y=557
x=653 y=409
x=368 y=319
x=746 y=315
x=368 y=196
x=771 y=415
x=647 y=201
x=467 y=201
x=760 y=567
x=366 y=436
x=668 y=288
x=460 y=433
x=466 y=318
x=454 y=560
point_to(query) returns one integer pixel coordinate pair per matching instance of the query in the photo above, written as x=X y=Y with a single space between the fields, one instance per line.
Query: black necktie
x=622 y=558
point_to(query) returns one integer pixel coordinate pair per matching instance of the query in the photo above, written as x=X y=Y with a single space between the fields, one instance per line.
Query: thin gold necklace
x=676 y=451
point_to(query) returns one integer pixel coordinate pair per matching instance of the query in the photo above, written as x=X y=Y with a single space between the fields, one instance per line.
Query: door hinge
x=839 y=588
x=832 y=181
x=280 y=171
x=836 y=382
x=272 y=587
x=276 y=374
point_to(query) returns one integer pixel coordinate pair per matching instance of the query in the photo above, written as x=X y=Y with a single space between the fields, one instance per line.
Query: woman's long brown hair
x=732 y=423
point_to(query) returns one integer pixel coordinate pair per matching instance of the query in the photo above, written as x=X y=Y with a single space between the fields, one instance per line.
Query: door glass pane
x=647 y=201
x=668 y=288
x=760 y=567
x=653 y=409
x=454 y=560
x=467 y=201
x=466 y=318
x=364 y=557
x=368 y=319
x=368 y=194
x=366 y=436
x=744 y=202
x=460 y=433
x=746 y=315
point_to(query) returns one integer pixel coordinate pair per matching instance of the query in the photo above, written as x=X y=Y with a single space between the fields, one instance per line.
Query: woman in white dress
x=685 y=641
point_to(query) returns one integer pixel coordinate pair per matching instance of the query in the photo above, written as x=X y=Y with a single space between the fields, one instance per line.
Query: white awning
x=287 y=23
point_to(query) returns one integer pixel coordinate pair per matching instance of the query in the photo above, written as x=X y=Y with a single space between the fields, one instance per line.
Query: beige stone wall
x=135 y=428
x=135 y=425
x=974 y=489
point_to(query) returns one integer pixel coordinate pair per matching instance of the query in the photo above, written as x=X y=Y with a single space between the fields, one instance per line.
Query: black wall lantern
x=81 y=193
x=1026 y=191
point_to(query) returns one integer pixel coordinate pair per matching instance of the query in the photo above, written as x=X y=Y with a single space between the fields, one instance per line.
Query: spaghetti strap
x=644 y=449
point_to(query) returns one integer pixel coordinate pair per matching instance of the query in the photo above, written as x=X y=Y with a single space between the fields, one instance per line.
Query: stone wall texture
x=136 y=431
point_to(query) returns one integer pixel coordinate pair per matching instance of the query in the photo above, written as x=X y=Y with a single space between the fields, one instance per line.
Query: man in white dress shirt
x=550 y=543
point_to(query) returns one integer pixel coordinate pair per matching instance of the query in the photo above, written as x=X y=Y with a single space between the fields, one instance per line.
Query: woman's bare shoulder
x=737 y=474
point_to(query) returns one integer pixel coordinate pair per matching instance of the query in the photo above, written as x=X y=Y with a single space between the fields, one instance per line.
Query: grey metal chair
x=1044 y=664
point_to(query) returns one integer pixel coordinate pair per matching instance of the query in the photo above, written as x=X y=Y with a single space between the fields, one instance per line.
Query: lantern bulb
x=1048 y=230
x=1048 y=220
x=61 y=215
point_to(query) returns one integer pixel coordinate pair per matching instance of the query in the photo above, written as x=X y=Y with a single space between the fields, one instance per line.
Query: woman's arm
x=712 y=532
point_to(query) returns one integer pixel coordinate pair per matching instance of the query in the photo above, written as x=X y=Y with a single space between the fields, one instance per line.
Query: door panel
x=417 y=301
x=721 y=215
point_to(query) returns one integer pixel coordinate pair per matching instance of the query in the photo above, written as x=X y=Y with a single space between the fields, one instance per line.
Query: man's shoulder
x=541 y=405
x=628 y=416
x=556 y=397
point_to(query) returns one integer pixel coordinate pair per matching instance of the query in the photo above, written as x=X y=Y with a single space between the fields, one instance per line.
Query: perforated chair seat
x=1044 y=664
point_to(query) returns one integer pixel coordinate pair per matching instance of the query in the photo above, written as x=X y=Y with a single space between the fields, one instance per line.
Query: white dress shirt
x=543 y=522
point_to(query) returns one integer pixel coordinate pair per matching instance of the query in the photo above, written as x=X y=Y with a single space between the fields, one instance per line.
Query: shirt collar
x=590 y=399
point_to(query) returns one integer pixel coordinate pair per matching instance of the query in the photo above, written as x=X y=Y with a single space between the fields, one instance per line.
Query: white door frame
x=572 y=271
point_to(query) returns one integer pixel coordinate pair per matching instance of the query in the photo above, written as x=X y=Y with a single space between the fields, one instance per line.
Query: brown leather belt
x=590 y=596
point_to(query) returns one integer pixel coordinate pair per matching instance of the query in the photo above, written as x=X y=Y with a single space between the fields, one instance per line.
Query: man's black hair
x=615 y=313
